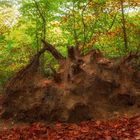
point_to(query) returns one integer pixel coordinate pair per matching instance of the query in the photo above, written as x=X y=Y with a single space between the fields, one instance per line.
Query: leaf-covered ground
x=118 y=129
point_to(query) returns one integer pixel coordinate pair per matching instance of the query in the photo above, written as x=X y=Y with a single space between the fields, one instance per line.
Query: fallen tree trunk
x=84 y=87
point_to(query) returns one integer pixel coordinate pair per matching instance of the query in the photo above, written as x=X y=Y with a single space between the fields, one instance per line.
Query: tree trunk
x=124 y=27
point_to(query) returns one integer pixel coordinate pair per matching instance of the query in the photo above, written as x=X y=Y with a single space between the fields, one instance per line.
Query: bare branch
x=57 y=55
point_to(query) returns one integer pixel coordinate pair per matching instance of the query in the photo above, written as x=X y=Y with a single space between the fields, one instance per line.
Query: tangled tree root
x=85 y=87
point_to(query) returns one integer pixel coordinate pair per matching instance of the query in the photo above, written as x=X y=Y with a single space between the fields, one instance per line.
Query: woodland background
x=112 y=26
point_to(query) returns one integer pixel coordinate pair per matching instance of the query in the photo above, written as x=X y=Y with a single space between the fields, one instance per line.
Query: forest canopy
x=111 y=26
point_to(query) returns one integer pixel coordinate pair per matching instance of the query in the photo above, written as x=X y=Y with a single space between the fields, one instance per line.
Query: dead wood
x=57 y=55
x=130 y=57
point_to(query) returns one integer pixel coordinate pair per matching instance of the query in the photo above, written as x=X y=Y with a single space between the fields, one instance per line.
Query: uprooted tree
x=85 y=87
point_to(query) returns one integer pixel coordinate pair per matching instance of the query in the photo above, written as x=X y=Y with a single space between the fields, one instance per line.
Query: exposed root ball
x=87 y=87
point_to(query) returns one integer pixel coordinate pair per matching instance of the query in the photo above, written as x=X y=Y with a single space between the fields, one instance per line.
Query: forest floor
x=117 y=128
x=123 y=128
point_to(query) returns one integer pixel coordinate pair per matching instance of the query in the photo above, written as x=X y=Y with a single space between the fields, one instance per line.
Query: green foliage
x=88 y=23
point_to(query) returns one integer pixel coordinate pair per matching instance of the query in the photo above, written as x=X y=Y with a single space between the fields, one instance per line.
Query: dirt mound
x=85 y=87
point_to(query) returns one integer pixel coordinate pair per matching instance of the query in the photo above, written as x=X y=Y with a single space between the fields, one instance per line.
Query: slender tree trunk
x=43 y=18
x=84 y=24
x=74 y=30
x=43 y=55
x=37 y=39
x=124 y=26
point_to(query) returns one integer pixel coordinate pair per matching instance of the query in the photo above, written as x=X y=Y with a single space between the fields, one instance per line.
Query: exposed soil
x=85 y=87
